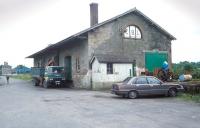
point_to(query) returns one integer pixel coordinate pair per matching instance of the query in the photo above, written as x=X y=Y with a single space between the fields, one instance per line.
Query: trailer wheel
x=45 y=84
x=36 y=83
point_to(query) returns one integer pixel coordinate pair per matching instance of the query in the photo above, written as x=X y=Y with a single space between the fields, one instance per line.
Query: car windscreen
x=56 y=70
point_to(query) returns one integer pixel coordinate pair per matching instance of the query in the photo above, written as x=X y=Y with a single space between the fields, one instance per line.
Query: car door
x=142 y=86
x=156 y=85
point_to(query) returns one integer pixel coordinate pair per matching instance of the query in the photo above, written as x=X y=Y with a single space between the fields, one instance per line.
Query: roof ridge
x=100 y=24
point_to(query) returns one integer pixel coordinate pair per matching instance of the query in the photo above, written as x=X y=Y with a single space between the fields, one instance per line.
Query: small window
x=78 y=64
x=141 y=80
x=132 y=32
x=38 y=64
x=109 y=68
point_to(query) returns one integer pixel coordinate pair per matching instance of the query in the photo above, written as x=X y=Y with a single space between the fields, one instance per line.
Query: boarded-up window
x=109 y=68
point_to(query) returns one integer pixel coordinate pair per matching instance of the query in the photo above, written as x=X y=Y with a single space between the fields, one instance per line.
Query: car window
x=132 y=80
x=152 y=80
x=141 y=80
x=127 y=80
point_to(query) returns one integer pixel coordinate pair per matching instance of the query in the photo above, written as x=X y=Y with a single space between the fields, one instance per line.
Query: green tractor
x=50 y=76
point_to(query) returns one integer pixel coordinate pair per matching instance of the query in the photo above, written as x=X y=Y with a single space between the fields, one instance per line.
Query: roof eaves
x=51 y=46
x=154 y=23
x=100 y=24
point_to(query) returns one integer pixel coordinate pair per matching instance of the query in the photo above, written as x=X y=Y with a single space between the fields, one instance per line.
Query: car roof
x=145 y=76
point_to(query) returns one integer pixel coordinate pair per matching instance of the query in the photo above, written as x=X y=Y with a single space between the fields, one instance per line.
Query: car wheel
x=172 y=92
x=124 y=96
x=132 y=94
x=45 y=84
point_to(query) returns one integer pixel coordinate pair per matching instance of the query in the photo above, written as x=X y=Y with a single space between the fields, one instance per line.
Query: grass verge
x=22 y=76
x=190 y=97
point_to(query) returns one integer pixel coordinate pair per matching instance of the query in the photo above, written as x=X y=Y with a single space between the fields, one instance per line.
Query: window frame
x=136 y=82
x=78 y=66
x=155 y=81
x=109 y=68
x=135 y=32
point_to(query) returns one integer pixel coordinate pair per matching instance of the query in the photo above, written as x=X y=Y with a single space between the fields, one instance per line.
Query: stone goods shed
x=125 y=45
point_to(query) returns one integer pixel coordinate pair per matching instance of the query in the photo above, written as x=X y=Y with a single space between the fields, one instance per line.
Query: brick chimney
x=93 y=14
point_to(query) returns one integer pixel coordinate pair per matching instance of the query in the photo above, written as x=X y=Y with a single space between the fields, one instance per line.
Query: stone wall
x=109 y=39
x=77 y=49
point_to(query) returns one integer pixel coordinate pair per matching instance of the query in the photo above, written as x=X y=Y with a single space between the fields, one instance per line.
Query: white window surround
x=78 y=64
x=109 y=68
x=133 y=32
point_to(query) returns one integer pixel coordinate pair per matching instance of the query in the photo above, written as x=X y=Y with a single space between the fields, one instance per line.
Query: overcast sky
x=27 y=26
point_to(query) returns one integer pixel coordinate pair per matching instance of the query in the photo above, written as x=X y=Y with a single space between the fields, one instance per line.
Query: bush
x=196 y=74
x=188 y=68
x=185 y=67
x=22 y=76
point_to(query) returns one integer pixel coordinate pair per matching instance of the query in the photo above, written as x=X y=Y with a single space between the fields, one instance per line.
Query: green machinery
x=48 y=76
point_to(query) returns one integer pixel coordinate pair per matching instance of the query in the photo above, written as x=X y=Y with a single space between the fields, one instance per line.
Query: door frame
x=69 y=58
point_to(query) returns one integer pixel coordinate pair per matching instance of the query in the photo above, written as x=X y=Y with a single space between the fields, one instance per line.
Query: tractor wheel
x=45 y=84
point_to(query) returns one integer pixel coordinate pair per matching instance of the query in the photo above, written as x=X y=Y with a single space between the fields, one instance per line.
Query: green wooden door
x=68 y=68
x=133 y=68
x=155 y=60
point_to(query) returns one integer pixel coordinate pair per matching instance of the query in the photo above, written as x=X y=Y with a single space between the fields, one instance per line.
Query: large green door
x=133 y=68
x=68 y=68
x=155 y=60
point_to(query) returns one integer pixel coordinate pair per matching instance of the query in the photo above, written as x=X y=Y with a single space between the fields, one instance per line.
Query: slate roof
x=110 y=58
x=134 y=10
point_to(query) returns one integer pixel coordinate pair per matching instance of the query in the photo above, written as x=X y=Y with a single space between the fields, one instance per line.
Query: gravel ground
x=24 y=106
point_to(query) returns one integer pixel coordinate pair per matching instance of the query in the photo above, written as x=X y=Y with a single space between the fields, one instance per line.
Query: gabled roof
x=100 y=24
x=111 y=58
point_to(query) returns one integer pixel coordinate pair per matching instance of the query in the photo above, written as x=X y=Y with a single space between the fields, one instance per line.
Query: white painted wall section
x=120 y=72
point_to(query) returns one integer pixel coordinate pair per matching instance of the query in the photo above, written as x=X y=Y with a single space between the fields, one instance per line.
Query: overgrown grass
x=190 y=97
x=194 y=81
x=22 y=76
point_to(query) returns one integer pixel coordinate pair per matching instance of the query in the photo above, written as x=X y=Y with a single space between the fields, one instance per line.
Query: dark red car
x=145 y=85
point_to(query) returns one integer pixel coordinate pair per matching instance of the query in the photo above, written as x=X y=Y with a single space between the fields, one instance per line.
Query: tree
x=192 y=68
x=188 y=68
